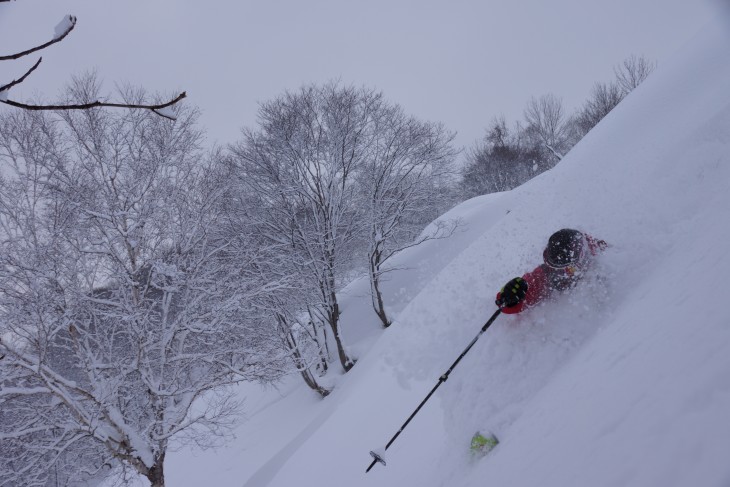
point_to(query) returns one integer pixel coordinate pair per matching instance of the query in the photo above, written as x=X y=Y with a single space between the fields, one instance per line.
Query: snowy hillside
x=623 y=382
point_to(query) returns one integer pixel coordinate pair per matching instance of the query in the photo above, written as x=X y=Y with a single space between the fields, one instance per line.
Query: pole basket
x=378 y=455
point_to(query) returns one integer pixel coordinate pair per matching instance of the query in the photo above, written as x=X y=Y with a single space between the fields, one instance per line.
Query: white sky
x=461 y=62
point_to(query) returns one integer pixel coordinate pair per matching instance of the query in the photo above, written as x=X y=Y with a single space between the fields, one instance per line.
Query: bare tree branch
x=66 y=25
x=95 y=104
x=22 y=78
x=71 y=25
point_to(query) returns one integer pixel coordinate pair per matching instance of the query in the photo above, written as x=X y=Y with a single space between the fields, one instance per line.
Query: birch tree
x=122 y=320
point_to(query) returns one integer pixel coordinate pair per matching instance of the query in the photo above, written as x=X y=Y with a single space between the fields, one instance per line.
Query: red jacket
x=544 y=280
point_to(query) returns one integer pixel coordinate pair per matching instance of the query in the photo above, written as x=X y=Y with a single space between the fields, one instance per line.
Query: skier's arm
x=522 y=292
x=595 y=245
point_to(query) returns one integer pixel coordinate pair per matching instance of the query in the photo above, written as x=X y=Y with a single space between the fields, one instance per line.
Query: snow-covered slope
x=626 y=381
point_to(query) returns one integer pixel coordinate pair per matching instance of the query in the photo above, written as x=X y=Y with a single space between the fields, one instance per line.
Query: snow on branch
x=63 y=29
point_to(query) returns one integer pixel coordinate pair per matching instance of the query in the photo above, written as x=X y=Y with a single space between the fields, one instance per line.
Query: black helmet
x=565 y=247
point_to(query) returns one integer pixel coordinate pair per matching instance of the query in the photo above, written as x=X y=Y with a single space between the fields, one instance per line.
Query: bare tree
x=606 y=96
x=62 y=30
x=632 y=72
x=503 y=160
x=508 y=157
x=546 y=121
x=123 y=320
x=304 y=341
x=406 y=161
x=301 y=164
x=603 y=99
x=286 y=308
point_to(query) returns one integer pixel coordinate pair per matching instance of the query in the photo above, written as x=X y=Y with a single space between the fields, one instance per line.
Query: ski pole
x=378 y=457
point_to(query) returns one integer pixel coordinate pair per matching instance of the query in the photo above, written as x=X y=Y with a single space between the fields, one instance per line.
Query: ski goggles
x=569 y=270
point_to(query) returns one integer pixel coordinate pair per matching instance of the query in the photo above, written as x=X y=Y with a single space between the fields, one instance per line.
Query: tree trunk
x=324 y=347
x=308 y=377
x=156 y=474
x=313 y=384
x=333 y=314
x=333 y=317
x=377 y=296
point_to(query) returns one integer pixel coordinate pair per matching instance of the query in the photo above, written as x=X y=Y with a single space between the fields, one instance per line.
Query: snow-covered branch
x=63 y=29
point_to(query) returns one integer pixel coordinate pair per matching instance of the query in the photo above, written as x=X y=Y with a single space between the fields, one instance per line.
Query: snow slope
x=624 y=382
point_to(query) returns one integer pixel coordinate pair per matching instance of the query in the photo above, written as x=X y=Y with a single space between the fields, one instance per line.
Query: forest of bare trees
x=142 y=275
x=122 y=302
x=339 y=177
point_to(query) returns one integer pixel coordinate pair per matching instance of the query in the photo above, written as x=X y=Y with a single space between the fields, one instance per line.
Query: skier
x=569 y=253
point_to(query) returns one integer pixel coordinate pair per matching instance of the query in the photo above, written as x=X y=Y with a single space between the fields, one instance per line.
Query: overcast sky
x=461 y=62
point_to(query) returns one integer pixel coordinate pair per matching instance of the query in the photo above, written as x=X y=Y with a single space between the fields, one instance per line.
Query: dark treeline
x=509 y=156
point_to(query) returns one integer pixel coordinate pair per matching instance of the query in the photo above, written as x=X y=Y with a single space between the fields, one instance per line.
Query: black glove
x=512 y=293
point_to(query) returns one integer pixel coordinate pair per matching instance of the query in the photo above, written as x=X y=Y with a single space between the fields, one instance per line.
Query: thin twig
x=42 y=46
x=22 y=78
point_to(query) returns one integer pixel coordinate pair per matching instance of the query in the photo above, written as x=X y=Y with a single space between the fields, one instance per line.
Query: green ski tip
x=481 y=444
